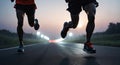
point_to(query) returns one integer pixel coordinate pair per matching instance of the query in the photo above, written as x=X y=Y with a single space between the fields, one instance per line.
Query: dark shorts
x=29 y=11
x=76 y=7
x=22 y=7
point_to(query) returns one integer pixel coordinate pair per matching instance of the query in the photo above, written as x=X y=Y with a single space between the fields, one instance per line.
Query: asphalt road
x=60 y=54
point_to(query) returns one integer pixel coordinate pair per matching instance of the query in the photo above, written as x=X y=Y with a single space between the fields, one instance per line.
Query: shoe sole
x=90 y=52
x=20 y=51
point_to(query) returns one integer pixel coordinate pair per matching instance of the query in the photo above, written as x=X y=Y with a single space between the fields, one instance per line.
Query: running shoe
x=88 y=47
x=20 y=49
x=65 y=30
x=36 y=24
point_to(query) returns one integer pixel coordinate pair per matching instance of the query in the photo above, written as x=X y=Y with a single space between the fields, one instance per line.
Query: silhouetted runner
x=23 y=7
x=75 y=7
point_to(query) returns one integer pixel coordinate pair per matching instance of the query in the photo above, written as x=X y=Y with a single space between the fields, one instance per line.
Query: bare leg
x=74 y=21
x=90 y=9
x=31 y=19
x=20 y=15
x=31 y=16
x=71 y=24
x=90 y=27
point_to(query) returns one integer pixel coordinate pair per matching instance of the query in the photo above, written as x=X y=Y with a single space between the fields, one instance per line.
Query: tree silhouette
x=113 y=28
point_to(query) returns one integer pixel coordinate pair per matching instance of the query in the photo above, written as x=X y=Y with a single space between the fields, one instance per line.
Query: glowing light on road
x=47 y=38
x=38 y=33
x=56 y=40
x=59 y=40
x=51 y=41
x=42 y=36
x=70 y=34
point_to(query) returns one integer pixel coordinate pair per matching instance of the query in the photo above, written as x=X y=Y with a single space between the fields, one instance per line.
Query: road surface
x=60 y=54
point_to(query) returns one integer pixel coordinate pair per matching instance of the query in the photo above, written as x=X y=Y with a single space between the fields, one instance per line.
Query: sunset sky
x=52 y=14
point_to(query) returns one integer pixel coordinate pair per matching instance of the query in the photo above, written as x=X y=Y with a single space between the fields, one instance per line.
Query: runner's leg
x=90 y=10
x=20 y=16
x=31 y=16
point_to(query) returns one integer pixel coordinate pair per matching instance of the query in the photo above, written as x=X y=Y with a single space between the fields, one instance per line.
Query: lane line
x=17 y=47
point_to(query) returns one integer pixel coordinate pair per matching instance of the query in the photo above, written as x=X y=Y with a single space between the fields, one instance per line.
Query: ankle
x=21 y=43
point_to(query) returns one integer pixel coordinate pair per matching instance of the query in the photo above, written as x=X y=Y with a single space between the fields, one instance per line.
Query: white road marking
x=17 y=47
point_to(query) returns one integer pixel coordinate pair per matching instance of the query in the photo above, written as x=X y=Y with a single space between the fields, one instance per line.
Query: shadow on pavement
x=41 y=57
x=65 y=61
x=90 y=60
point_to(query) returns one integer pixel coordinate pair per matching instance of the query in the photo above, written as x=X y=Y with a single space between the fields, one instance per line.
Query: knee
x=20 y=25
x=74 y=26
x=91 y=14
x=31 y=22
